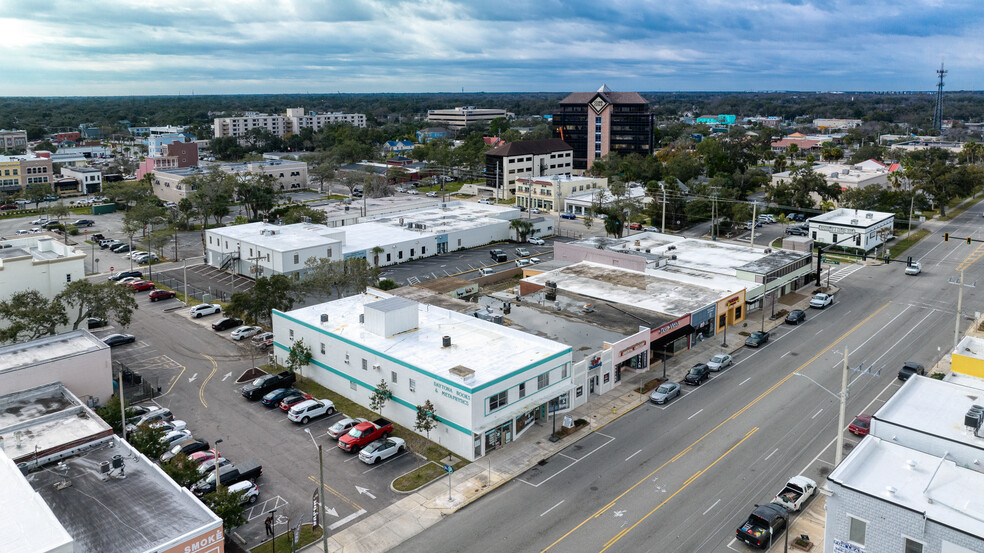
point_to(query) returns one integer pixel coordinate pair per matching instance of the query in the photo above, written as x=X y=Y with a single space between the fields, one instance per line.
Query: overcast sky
x=133 y=47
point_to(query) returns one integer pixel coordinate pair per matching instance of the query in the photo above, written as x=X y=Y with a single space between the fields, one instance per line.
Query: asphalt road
x=682 y=477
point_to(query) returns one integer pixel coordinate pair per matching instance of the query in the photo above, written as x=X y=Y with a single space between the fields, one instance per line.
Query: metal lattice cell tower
x=938 y=115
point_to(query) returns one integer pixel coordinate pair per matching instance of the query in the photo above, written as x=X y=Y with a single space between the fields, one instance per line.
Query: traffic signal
x=968 y=240
x=946 y=236
x=887 y=259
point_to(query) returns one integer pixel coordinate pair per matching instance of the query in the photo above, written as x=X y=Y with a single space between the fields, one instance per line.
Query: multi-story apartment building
x=10 y=140
x=10 y=173
x=282 y=125
x=172 y=156
x=826 y=124
x=525 y=159
x=598 y=123
x=458 y=118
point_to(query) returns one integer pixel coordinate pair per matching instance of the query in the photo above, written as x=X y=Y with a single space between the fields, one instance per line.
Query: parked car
x=498 y=255
x=259 y=387
x=364 y=434
x=567 y=215
x=226 y=323
x=290 y=401
x=535 y=260
x=158 y=295
x=795 y=317
x=797 y=231
x=310 y=409
x=40 y=221
x=228 y=475
x=523 y=262
x=175 y=436
x=204 y=456
x=83 y=222
x=860 y=425
x=120 y=248
x=910 y=368
x=432 y=194
x=522 y=252
x=114 y=340
x=263 y=340
x=6 y=207
x=244 y=332
x=535 y=241
x=821 y=301
x=665 y=392
x=204 y=468
x=109 y=243
x=124 y=274
x=272 y=399
x=146 y=257
x=150 y=417
x=23 y=232
x=248 y=490
x=127 y=280
x=413 y=192
x=697 y=374
x=342 y=427
x=187 y=446
x=203 y=309
x=380 y=450
x=635 y=226
x=650 y=229
x=142 y=285
x=795 y=493
x=169 y=426
x=95 y=322
x=485 y=271
x=719 y=361
x=757 y=339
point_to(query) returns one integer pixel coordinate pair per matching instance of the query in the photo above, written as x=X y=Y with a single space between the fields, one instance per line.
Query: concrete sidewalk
x=422 y=509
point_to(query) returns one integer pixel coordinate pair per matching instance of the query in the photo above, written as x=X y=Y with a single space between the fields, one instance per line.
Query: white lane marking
x=348 y=519
x=610 y=440
x=744 y=381
x=694 y=415
x=771 y=454
x=870 y=338
x=712 y=506
x=567 y=456
x=633 y=455
x=892 y=347
x=817 y=414
x=785 y=354
x=819 y=331
x=552 y=508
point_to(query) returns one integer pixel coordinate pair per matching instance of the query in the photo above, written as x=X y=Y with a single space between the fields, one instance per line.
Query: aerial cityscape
x=440 y=276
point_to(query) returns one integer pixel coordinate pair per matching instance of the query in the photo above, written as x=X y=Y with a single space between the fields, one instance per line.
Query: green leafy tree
x=350 y=275
x=85 y=299
x=183 y=470
x=30 y=315
x=47 y=146
x=278 y=292
x=868 y=151
x=323 y=172
x=36 y=192
x=387 y=284
x=295 y=213
x=498 y=126
x=426 y=418
x=228 y=506
x=257 y=193
x=299 y=356
x=929 y=170
x=147 y=440
x=379 y=397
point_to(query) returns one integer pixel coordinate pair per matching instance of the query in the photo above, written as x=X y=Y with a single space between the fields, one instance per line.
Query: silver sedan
x=719 y=362
x=665 y=392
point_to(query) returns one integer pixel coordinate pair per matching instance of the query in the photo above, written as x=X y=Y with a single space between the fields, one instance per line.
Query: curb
x=418 y=488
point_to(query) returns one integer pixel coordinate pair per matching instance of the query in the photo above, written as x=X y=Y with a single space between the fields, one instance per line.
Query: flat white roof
x=449 y=217
x=28 y=523
x=719 y=257
x=851 y=217
x=366 y=236
x=48 y=348
x=675 y=292
x=283 y=238
x=970 y=346
x=934 y=407
x=951 y=495
x=493 y=351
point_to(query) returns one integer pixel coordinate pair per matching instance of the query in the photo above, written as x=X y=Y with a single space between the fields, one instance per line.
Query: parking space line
x=376 y=466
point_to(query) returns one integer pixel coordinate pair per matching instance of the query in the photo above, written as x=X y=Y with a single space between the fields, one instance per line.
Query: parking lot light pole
x=217 y=442
x=321 y=491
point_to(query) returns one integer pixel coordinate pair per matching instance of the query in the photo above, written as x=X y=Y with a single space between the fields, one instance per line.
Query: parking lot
x=197 y=370
x=465 y=263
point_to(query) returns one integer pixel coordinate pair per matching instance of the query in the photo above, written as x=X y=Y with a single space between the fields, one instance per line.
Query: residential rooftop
x=851 y=217
x=15 y=357
x=945 y=492
x=492 y=351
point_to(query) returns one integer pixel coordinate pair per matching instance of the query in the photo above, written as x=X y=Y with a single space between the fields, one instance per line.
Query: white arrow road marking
x=193 y=377
x=331 y=512
x=364 y=491
x=228 y=374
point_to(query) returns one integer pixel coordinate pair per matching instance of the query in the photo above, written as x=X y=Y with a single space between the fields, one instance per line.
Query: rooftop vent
x=462 y=372
x=768 y=250
x=446 y=342
x=854 y=221
x=911 y=464
x=324 y=318
x=891 y=490
x=671 y=248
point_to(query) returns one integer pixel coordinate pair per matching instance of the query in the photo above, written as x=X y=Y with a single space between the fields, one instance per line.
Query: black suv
x=498 y=255
x=698 y=373
x=124 y=274
x=910 y=368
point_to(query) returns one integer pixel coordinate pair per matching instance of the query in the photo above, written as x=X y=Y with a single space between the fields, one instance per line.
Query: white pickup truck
x=821 y=301
x=797 y=491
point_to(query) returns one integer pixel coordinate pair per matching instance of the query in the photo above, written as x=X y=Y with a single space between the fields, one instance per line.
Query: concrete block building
x=852 y=228
x=282 y=125
x=506 y=164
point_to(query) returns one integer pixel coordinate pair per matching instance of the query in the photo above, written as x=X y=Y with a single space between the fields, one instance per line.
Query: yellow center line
x=337 y=494
x=972 y=258
x=201 y=391
x=173 y=382
x=722 y=423
x=684 y=486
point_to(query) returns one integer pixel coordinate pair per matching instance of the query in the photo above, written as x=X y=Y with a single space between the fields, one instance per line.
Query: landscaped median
x=284 y=542
x=899 y=247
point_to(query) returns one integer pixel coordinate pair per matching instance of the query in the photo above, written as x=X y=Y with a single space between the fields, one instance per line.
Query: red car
x=141 y=285
x=293 y=400
x=860 y=425
x=635 y=226
x=161 y=295
x=8 y=206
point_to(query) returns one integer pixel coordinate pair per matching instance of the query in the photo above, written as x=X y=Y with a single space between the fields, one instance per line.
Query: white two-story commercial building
x=489 y=383
x=852 y=228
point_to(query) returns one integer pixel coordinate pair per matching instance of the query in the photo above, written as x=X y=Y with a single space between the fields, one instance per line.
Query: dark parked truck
x=498 y=255
x=364 y=434
x=259 y=387
x=228 y=475
x=763 y=526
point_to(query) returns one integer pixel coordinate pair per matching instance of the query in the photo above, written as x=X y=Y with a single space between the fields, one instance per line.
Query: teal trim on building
x=419 y=370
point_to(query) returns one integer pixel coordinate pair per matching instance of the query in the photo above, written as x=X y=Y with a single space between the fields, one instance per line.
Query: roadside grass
x=419 y=477
x=449 y=188
x=902 y=245
x=284 y=542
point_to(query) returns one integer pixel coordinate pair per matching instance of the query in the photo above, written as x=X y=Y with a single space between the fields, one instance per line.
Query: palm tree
x=522 y=228
x=375 y=255
x=827 y=205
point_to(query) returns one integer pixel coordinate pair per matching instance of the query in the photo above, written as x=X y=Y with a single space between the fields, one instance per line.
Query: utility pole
x=754 y=205
x=938 y=114
x=956 y=324
x=184 y=266
x=842 y=413
x=321 y=492
x=663 y=223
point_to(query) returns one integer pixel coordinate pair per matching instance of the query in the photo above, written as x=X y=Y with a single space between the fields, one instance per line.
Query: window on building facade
x=322 y=348
x=522 y=390
x=365 y=365
x=291 y=334
x=563 y=371
x=738 y=312
x=542 y=381
x=399 y=254
x=857 y=530
x=912 y=546
x=580 y=391
x=393 y=376
x=352 y=384
x=497 y=401
x=413 y=385
x=388 y=258
x=68 y=277
x=297 y=259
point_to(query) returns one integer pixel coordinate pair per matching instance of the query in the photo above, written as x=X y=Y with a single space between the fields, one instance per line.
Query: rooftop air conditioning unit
x=854 y=221
x=869 y=215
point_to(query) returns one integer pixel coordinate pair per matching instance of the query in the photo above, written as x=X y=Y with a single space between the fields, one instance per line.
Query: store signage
x=205 y=541
x=452 y=393
x=841 y=546
x=630 y=349
x=733 y=301
x=315 y=510
x=595 y=362
x=671 y=326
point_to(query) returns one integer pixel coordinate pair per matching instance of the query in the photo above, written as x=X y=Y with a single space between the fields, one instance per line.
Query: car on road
x=914 y=268
x=432 y=194
x=535 y=241
x=124 y=274
x=310 y=409
x=719 y=362
x=795 y=317
x=273 y=399
x=413 y=192
x=141 y=285
x=290 y=401
x=757 y=339
x=114 y=340
x=860 y=425
x=523 y=262
x=380 y=450
x=248 y=490
x=83 y=222
x=910 y=368
x=95 y=322
x=567 y=215
x=821 y=301
x=263 y=340
x=23 y=232
x=635 y=226
x=665 y=392
x=342 y=427
x=6 y=207
x=485 y=271
x=203 y=309
x=522 y=252
x=226 y=323
x=158 y=295
x=244 y=332
x=697 y=374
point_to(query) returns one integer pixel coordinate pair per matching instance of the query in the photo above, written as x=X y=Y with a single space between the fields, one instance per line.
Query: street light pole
x=321 y=491
x=217 y=442
x=662 y=228
x=842 y=414
x=956 y=324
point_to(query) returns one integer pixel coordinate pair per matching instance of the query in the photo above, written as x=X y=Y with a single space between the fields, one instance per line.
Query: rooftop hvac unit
x=869 y=215
x=446 y=341
x=671 y=248
x=854 y=221
x=324 y=318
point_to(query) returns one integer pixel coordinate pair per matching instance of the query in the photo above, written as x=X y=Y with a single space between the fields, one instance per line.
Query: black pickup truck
x=259 y=387
x=228 y=475
x=763 y=526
